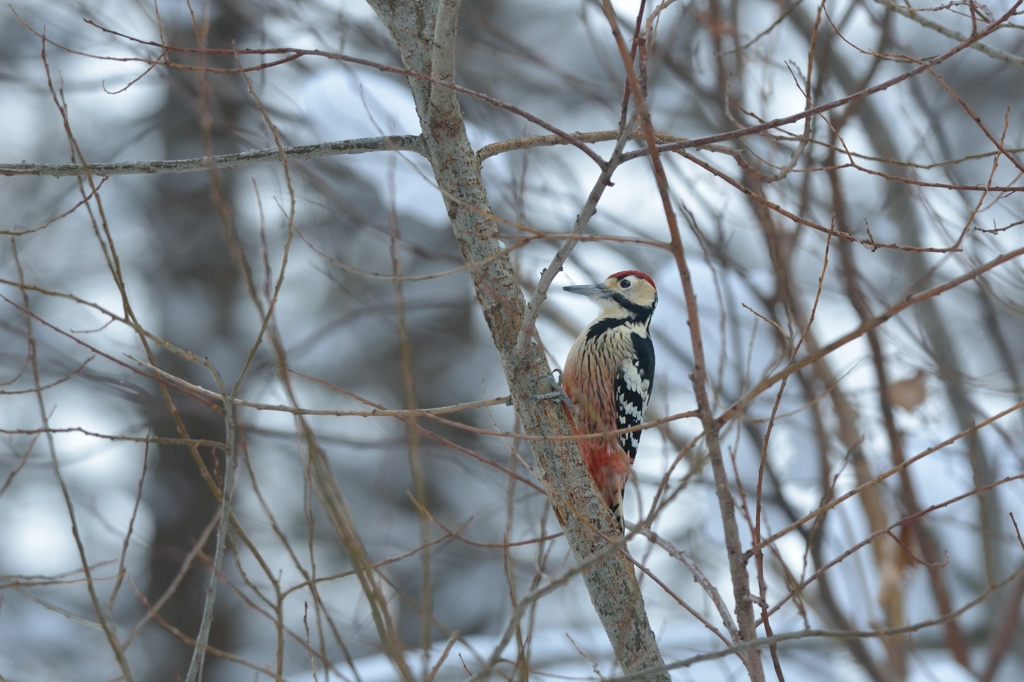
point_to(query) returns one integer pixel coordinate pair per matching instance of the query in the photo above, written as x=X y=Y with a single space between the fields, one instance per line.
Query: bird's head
x=629 y=293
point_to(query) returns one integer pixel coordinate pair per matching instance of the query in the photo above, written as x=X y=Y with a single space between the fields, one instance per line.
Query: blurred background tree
x=320 y=290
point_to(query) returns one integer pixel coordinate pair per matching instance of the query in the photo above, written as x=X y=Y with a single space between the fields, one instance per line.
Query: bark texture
x=425 y=35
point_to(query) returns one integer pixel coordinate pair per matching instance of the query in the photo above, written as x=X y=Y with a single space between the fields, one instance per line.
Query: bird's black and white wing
x=633 y=384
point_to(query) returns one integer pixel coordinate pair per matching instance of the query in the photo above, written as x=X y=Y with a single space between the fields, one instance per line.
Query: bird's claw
x=554 y=389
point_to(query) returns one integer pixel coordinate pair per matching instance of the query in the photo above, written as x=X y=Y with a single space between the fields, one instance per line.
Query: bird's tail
x=616 y=507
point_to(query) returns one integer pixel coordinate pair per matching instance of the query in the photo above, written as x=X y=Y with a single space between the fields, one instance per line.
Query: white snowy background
x=337 y=321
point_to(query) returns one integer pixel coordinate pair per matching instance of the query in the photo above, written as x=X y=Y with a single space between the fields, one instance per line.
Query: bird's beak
x=590 y=290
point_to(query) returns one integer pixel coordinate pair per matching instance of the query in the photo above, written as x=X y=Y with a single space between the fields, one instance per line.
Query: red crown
x=643 y=275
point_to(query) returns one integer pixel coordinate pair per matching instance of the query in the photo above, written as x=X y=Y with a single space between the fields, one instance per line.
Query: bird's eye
x=625 y=284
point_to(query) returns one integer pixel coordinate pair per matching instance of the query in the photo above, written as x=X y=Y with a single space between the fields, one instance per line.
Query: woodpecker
x=608 y=378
